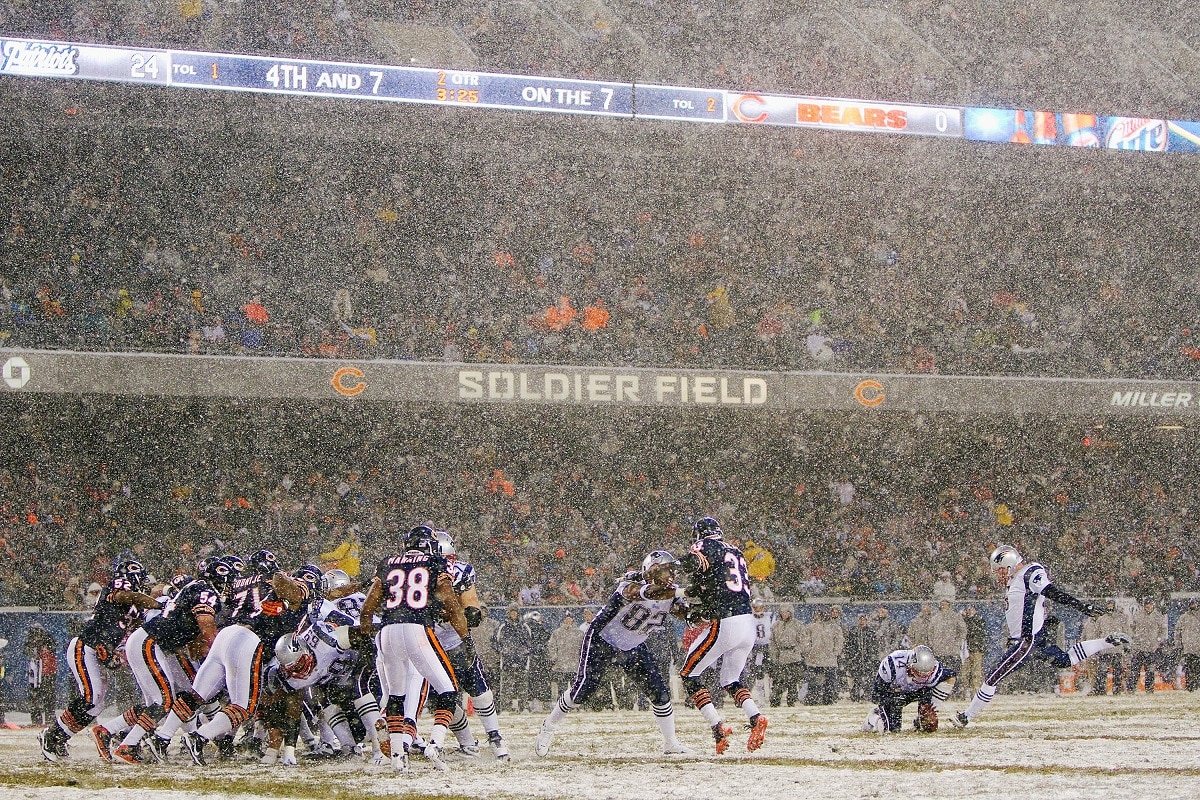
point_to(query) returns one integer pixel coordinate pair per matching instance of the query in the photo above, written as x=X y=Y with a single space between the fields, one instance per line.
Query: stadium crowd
x=552 y=509
x=587 y=242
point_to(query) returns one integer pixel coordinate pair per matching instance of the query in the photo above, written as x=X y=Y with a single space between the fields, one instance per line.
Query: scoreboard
x=459 y=88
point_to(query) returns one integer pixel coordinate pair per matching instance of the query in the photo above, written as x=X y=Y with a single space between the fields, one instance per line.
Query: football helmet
x=705 y=528
x=235 y=562
x=922 y=664
x=263 y=563
x=216 y=572
x=175 y=584
x=132 y=571
x=310 y=575
x=295 y=659
x=445 y=544
x=334 y=579
x=421 y=538
x=1004 y=561
x=660 y=567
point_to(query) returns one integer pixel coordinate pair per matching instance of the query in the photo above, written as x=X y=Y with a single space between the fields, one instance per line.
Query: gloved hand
x=1092 y=611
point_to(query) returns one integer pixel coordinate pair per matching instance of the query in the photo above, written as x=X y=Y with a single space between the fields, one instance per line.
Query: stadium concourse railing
x=15 y=623
x=194 y=376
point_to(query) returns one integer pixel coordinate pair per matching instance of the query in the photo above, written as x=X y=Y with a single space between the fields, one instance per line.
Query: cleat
x=156 y=747
x=721 y=733
x=433 y=754
x=194 y=744
x=675 y=747
x=103 y=740
x=399 y=762
x=287 y=757
x=469 y=750
x=496 y=743
x=960 y=720
x=323 y=751
x=544 y=739
x=270 y=757
x=128 y=754
x=53 y=743
x=225 y=749
x=758 y=733
x=1117 y=639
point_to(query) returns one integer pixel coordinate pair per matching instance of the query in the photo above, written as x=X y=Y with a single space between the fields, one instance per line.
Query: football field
x=1023 y=745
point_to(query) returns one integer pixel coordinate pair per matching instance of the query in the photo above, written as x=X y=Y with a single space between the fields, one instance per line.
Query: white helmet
x=660 y=567
x=922 y=664
x=295 y=659
x=334 y=579
x=445 y=543
x=1005 y=557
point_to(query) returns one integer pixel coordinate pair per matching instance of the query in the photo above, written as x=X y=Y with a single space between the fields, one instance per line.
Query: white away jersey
x=1026 y=612
x=332 y=664
x=893 y=670
x=625 y=623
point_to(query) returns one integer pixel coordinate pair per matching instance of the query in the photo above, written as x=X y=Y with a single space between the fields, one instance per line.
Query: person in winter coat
x=1149 y=634
x=513 y=641
x=888 y=632
x=860 y=661
x=947 y=633
x=1187 y=641
x=826 y=638
x=563 y=653
x=789 y=641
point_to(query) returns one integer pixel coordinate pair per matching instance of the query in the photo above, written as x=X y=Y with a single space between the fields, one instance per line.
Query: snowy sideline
x=1058 y=746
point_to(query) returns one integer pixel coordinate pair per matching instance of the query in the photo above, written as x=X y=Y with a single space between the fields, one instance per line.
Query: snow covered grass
x=1059 y=747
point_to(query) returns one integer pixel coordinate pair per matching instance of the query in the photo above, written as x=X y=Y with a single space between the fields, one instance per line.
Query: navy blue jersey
x=110 y=622
x=255 y=605
x=177 y=626
x=408 y=582
x=720 y=579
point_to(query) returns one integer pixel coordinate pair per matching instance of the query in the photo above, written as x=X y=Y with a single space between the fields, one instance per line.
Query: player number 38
x=409 y=588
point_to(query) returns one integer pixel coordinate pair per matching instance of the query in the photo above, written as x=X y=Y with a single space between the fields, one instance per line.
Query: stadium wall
x=146 y=374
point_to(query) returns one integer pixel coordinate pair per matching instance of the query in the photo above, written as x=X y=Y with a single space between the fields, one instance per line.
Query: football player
x=1027 y=587
x=719 y=597
x=342 y=599
x=412 y=591
x=316 y=653
x=96 y=650
x=904 y=677
x=158 y=654
x=641 y=604
x=261 y=600
x=467 y=665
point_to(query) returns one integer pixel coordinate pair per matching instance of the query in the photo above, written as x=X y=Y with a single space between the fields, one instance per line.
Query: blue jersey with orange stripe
x=720 y=579
x=109 y=623
x=257 y=606
x=176 y=626
x=409 y=581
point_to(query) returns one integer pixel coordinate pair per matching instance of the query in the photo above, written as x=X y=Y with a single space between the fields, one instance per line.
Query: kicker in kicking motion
x=1028 y=587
